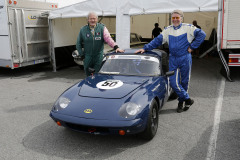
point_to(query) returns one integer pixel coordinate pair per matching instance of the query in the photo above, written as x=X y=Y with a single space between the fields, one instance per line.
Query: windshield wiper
x=109 y=72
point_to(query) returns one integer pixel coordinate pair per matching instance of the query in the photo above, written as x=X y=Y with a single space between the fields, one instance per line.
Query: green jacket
x=89 y=45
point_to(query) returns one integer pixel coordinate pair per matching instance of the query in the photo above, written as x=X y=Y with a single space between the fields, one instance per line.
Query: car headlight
x=129 y=109
x=61 y=103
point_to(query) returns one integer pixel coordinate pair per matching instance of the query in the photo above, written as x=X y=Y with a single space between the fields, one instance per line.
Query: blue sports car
x=123 y=98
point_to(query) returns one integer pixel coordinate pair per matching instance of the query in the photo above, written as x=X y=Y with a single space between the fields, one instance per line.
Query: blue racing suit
x=180 y=60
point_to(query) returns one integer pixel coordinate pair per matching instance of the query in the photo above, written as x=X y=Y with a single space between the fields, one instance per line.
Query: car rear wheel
x=152 y=122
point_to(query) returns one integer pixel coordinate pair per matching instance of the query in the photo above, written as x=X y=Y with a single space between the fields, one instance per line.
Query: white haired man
x=182 y=39
x=90 y=43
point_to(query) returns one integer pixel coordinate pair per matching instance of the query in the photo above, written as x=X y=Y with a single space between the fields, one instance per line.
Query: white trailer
x=229 y=34
x=24 y=38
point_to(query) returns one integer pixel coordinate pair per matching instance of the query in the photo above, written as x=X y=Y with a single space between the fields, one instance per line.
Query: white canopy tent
x=124 y=9
x=101 y=7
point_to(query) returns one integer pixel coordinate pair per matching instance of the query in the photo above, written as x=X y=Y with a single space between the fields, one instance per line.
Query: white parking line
x=213 y=137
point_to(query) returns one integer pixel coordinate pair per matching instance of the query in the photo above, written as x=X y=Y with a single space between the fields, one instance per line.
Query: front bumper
x=96 y=126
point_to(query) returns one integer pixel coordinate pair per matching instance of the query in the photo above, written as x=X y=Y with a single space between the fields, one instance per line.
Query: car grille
x=88 y=129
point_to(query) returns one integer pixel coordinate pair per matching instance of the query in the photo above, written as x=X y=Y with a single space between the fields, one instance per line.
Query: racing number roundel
x=109 y=84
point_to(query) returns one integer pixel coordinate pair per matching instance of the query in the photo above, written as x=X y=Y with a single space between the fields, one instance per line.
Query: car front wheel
x=152 y=122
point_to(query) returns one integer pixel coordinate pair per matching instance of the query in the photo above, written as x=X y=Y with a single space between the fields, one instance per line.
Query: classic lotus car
x=123 y=98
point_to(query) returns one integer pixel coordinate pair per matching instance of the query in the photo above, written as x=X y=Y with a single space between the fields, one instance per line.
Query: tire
x=152 y=122
x=173 y=96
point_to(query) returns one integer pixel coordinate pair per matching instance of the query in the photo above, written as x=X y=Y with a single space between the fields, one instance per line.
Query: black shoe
x=188 y=103
x=180 y=107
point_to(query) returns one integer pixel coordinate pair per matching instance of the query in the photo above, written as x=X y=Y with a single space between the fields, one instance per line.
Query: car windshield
x=139 y=65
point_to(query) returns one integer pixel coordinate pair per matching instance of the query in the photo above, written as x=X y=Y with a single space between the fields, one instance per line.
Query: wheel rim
x=154 y=120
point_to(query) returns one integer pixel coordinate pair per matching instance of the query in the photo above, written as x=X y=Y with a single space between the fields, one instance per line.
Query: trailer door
x=29 y=34
x=5 y=53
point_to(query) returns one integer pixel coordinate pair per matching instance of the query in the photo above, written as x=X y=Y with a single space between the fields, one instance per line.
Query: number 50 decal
x=109 y=84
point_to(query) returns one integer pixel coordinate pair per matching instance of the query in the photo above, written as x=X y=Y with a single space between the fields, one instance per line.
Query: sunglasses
x=175 y=18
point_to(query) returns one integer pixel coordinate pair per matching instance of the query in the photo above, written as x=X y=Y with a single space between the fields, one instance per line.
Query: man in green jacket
x=90 y=43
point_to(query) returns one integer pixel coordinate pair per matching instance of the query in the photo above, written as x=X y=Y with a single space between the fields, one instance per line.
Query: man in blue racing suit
x=182 y=39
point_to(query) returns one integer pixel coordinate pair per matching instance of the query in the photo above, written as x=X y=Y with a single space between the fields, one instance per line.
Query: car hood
x=110 y=86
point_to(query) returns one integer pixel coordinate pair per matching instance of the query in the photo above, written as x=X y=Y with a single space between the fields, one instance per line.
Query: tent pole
x=52 y=52
x=209 y=50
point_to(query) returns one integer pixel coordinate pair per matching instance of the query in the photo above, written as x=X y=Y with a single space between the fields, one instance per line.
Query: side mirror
x=91 y=70
x=169 y=73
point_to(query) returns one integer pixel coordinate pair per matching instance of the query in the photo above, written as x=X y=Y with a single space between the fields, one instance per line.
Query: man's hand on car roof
x=119 y=50
x=140 y=50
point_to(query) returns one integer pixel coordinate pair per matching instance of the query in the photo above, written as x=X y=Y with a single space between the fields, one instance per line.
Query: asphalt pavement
x=209 y=130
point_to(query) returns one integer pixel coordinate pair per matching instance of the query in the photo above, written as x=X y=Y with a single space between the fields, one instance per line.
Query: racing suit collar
x=175 y=28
